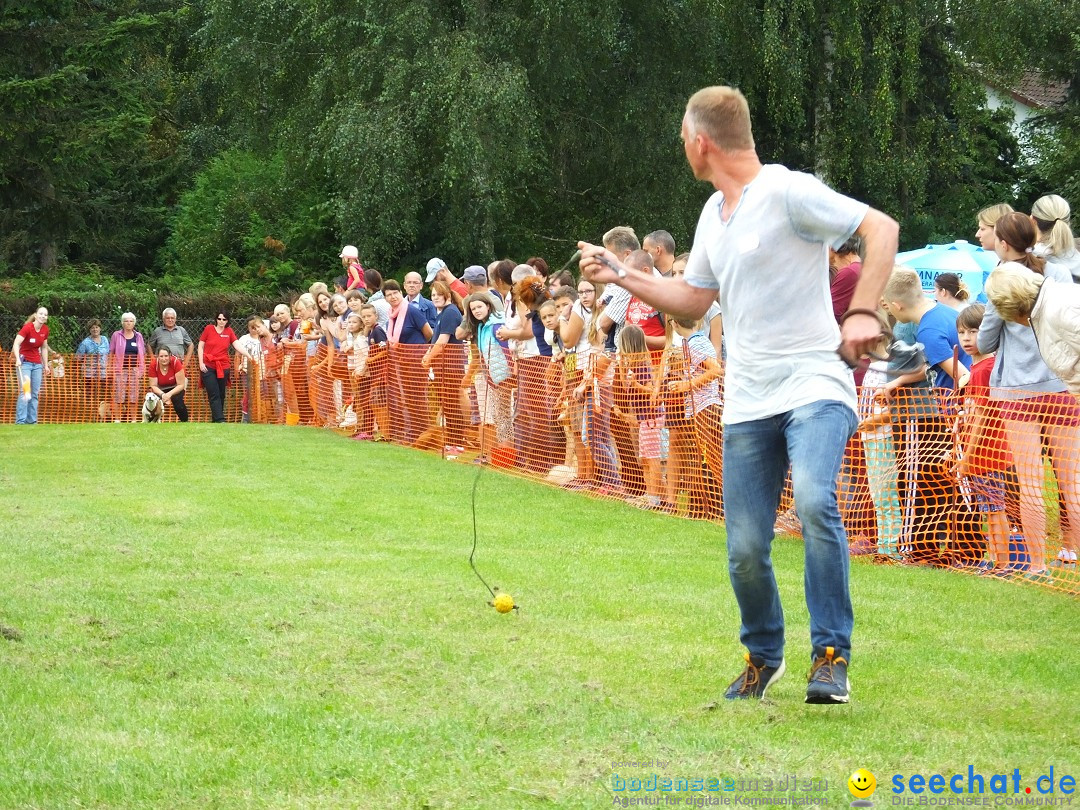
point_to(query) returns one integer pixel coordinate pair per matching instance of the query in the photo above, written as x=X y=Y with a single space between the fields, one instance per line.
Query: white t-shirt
x=770 y=264
x=876 y=377
x=700 y=348
x=521 y=348
x=253 y=347
x=584 y=348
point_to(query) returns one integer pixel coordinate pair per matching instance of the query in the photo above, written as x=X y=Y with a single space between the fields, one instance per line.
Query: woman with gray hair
x=128 y=351
x=1050 y=307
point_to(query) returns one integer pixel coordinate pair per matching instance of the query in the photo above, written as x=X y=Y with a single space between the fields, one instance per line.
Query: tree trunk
x=48 y=255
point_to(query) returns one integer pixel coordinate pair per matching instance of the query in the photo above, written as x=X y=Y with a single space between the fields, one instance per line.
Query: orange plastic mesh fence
x=931 y=478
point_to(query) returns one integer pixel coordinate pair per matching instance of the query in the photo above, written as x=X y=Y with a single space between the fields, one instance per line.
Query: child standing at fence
x=491 y=371
x=877 y=442
x=923 y=445
x=253 y=369
x=554 y=376
x=354 y=346
x=681 y=473
x=986 y=455
x=935 y=512
x=596 y=395
x=635 y=375
x=703 y=408
x=370 y=402
x=936 y=325
x=574 y=333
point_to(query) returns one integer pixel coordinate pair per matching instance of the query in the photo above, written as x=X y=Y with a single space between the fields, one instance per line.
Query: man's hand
x=859 y=334
x=593 y=268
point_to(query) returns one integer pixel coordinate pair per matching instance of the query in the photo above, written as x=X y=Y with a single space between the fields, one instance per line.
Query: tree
x=85 y=145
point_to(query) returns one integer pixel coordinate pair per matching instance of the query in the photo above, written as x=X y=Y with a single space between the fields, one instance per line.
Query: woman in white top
x=536 y=440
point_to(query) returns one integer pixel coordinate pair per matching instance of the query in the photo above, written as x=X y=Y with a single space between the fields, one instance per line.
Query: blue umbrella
x=970 y=262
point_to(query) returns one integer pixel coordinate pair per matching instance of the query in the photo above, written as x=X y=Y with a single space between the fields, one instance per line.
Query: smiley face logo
x=862 y=784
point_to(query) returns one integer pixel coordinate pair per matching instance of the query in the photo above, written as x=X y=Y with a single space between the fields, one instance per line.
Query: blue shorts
x=988 y=490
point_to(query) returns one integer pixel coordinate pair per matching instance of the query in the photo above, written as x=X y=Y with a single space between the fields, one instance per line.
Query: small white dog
x=152 y=408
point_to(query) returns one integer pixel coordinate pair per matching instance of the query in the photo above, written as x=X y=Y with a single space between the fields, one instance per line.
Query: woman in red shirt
x=214 y=364
x=31 y=352
x=168 y=381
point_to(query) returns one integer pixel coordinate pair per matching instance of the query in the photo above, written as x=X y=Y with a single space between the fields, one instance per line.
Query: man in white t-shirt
x=762 y=243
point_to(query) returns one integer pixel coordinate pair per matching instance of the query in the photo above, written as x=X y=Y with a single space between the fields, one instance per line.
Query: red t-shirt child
x=167 y=378
x=992 y=453
x=33 y=340
x=651 y=322
x=216 y=348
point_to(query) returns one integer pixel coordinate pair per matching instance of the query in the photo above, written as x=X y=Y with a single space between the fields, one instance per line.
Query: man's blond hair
x=903 y=287
x=723 y=115
x=621 y=239
x=1012 y=289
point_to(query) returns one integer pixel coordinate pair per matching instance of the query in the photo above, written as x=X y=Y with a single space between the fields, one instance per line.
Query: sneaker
x=755 y=679
x=828 y=680
x=1066 y=557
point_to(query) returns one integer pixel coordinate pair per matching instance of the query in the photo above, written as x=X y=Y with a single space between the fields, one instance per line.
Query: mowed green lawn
x=240 y=616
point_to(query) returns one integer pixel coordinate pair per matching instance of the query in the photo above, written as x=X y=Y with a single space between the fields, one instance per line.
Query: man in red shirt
x=438 y=271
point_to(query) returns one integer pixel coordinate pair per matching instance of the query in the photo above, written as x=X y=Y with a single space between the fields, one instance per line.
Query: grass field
x=241 y=616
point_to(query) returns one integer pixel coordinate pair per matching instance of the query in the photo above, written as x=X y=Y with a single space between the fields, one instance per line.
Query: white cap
x=349 y=252
x=433 y=268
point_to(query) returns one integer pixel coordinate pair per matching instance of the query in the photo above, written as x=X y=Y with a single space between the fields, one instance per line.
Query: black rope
x=472 y=554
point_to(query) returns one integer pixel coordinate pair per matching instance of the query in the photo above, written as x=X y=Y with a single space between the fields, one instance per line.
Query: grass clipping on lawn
x=227 y=616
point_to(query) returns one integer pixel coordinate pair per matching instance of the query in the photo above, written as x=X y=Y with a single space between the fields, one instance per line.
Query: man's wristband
x=859 y=311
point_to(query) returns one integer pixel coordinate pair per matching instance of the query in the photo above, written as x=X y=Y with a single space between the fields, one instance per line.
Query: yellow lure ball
x=504 y=603
x=862 y=784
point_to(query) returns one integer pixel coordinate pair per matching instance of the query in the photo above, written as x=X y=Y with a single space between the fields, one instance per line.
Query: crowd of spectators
x=519 y=365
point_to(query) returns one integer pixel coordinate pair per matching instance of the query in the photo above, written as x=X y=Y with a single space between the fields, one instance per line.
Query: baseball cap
x=349 y=252
x=433 y=268
x=475 y=274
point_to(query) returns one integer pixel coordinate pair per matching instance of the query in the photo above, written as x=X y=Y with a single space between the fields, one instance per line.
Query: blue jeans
x=26 y=412
x=811 y=439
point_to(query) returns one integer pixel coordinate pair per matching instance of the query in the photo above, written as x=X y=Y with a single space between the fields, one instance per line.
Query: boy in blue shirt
x=936 y=325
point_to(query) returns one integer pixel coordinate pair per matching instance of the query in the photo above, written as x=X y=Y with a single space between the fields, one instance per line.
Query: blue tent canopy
x=970 y=262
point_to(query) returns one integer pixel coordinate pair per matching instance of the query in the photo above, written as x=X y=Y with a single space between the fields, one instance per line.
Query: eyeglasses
x=222 y=318
x=586 y=290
